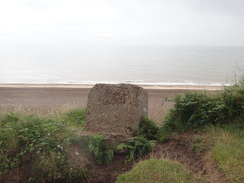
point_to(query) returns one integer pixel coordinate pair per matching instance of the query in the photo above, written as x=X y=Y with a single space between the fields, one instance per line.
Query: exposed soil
x=19 y=175
x=108 y=173
x=79 y=157
x=179 y=148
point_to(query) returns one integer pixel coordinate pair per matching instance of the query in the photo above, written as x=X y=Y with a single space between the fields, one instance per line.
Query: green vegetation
x=224 y=112
x=199 y=144
x=148 y=129
x=228 y=148
x=76 y=116
x=146 y=137
x=197 y=109
x=138 y=148
x=221 y=115
x=99 y=150
x=159 y=170
x=40 y=141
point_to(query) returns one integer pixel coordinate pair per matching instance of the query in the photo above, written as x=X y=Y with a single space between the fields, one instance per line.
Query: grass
x=159 y=171
x=199 y=144
x=76 y=117
x=227 y=150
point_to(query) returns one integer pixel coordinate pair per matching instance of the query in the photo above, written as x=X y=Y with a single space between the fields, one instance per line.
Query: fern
x=146 y=136
x=98 y=150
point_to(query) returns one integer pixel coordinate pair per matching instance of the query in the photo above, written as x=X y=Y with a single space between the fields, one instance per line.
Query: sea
x=138 y=64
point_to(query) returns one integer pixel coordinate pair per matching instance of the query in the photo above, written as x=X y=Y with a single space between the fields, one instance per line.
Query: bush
x=148 y=129
x=197 y=109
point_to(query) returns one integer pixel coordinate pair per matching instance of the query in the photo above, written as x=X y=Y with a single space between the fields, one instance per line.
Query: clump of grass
x=76 y=116
x=159 y=171
x=41 y=140
x=199 y=144
x=227 y=150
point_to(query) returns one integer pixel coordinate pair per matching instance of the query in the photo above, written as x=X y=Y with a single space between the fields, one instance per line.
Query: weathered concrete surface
x=115 y=108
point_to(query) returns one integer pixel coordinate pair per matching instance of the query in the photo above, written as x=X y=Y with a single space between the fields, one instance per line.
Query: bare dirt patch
x=180 y=149
x=108 y=173
x=19 y=175
x=79 y=157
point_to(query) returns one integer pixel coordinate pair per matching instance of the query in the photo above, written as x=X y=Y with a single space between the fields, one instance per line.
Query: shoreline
x=88 y=86
x=45 y=99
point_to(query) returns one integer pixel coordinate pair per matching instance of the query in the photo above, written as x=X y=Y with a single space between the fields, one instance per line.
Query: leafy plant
x=148 y=129
x=146 y=136
x=39 y=140
x=99 y=150
x=139 y=147
x=197 y=109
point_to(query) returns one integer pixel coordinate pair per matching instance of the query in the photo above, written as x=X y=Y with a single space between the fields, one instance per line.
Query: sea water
x=89 y=64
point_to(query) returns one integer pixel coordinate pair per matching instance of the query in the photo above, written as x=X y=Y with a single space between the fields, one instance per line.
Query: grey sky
x=123 y=22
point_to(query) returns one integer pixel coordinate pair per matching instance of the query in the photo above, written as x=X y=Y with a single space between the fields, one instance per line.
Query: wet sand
x=47 y=99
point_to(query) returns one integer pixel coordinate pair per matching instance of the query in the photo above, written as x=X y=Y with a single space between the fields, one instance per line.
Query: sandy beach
x=47 y=99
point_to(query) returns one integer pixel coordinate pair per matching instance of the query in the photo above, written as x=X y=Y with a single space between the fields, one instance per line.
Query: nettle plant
x=29 y=138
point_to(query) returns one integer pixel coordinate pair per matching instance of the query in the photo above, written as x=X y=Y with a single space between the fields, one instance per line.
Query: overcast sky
x=123 y=22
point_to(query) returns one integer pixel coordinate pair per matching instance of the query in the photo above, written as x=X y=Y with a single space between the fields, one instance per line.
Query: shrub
x=197 y=109
x=148 y=129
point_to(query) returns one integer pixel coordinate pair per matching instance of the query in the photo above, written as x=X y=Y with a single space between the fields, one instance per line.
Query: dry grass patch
x=228 y=148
